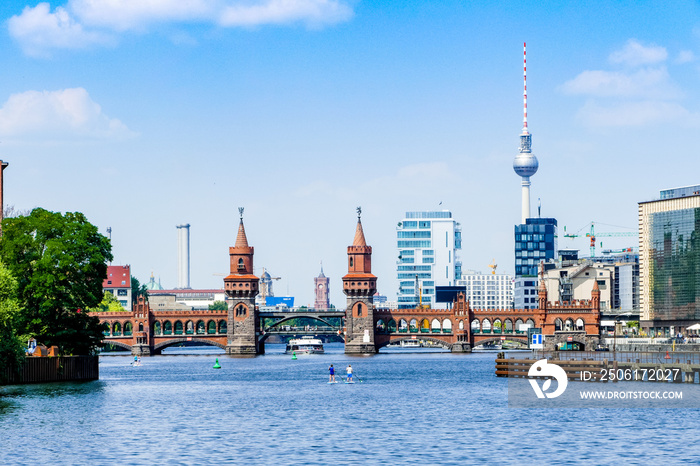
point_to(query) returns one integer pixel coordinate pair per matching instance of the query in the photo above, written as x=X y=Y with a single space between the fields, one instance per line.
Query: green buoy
x=216 y=364
x=294 y=356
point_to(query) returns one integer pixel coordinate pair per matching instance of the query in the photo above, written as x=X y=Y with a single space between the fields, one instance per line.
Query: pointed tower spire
x=359 y=239
x=241 y=240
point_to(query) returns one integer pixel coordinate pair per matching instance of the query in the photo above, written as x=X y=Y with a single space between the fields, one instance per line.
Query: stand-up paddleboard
x=350 y=381
x=331 y=382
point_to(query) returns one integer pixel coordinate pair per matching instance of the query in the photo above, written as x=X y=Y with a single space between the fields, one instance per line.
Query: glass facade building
x=535 y=241
x=427 y=245
x=669 y=246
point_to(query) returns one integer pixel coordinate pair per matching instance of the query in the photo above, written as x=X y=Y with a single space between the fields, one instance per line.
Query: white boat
x=304 y=345
x=410 y=344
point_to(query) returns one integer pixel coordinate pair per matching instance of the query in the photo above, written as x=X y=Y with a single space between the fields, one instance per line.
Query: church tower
x=359 y=285
x=322 y=301
x=241 y=287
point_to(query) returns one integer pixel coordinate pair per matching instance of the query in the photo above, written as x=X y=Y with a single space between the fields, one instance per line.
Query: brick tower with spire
x=241 y=287
x=322 y=301
x=359 y=285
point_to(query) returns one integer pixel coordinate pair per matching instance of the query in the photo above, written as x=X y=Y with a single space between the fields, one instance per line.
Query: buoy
x=667 y=356
x=294 y=356
x=216 y=364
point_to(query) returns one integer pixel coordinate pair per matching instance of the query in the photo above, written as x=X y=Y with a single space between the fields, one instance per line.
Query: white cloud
x=62 y=114
x=635 y=54
x=312 y=12
x=37 y=30
x=640 y=94
x=82 y=23
x=636 y=114
x=121 y=15
x=685 y=56
x=645 y=82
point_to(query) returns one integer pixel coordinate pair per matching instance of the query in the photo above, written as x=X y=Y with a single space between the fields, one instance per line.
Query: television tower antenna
x=525 y=163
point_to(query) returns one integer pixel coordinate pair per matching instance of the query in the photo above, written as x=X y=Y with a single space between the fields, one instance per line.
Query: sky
x=147 y=114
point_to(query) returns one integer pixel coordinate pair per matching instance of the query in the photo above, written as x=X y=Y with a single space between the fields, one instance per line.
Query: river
x=409 y=408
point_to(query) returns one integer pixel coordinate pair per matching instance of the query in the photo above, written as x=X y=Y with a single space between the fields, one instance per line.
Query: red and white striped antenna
x=525 y=131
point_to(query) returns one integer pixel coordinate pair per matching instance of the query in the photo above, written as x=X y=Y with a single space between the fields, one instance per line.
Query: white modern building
x=427 y=245
x=487 y=291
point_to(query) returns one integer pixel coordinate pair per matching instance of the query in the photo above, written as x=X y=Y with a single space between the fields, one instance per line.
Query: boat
x=304 y=345
x=411 y=344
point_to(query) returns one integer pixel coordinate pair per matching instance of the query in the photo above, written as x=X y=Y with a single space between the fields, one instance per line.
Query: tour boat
x=304 y=345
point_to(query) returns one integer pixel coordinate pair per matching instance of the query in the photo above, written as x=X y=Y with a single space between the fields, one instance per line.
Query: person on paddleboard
x=331 y=374
x=349 y=370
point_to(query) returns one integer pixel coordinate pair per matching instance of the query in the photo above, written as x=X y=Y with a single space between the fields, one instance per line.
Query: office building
x=487 y=291
x=427 y=256
x=535 y=242
x=669 y=261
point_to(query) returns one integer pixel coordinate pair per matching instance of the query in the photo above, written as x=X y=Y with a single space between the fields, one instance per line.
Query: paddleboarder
x=331 y=374
x=349 y=371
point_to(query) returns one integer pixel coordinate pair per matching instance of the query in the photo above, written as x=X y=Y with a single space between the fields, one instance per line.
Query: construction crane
x=615 y=251
x=493 y=266
x=592 y=235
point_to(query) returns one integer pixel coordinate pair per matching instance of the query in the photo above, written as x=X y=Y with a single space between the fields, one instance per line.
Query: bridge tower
x=359 y=285
x=241 y=287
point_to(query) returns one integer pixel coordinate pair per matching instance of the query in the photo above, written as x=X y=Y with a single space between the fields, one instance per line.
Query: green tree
x=137 y=289
x=60 y=262
x=11 y=345
x=109 y=304
x=218 y=306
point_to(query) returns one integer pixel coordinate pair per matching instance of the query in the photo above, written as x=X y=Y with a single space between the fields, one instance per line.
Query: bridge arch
x=409 y=338
x=300 y=316
x=516 y=339
x=116 y=343
x=185 y=339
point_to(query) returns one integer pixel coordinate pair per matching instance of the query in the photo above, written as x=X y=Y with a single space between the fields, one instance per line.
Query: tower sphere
x=525 y=164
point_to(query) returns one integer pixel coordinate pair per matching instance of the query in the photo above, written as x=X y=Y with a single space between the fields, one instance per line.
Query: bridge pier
x=141 y=350
x=461 y=347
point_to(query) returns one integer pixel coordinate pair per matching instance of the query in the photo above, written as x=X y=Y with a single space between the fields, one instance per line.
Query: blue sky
x=145 y=114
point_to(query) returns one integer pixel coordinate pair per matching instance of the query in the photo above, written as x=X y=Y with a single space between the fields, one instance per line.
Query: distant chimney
x=183 y=256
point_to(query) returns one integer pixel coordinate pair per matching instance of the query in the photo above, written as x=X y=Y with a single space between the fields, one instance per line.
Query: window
x=241 y=266
x=121 y=292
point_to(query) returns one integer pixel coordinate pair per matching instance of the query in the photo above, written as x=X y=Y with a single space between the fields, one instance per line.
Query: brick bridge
x=241 y=330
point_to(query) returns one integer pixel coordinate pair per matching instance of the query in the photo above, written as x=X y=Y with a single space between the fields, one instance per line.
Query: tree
x=60 y=262
x=218 y=306
x=11 y=345
x=137 y=289
x=109 y=304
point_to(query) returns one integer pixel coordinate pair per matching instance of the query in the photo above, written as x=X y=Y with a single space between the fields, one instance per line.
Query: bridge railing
x=308 y=328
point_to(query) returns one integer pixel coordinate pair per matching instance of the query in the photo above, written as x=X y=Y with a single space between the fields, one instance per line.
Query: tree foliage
x=137 y=290
x=11 y=345
x=109 y=304
x=60 y=262
x=218 y=306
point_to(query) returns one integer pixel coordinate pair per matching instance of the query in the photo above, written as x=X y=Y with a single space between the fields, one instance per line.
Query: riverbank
x=54 y=369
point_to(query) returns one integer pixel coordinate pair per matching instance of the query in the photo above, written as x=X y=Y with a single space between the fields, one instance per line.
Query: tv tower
x=525 y=163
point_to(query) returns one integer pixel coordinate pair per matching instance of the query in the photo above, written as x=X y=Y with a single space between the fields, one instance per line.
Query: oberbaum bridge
x=240 y=330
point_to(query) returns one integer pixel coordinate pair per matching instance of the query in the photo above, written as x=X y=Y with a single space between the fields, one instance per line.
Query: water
x=411 y=408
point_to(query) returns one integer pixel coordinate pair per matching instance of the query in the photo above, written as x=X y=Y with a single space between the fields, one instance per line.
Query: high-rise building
x=487 y=291
x=183 y=256
x=427 y=256
x=669 y=261
x=535 y=242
